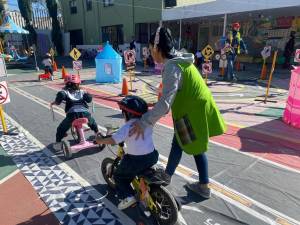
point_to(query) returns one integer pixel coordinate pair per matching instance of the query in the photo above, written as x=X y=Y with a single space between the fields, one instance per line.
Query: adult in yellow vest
x=194 y=112
x=235 y=43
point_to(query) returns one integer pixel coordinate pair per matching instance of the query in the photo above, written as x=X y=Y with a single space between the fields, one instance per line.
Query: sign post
x=265 y=53
x=207 y=52
x=75 y=54
x=270 y=80
x=4 y=98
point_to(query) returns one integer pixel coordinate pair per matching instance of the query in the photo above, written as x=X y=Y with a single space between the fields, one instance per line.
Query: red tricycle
x=46 y=76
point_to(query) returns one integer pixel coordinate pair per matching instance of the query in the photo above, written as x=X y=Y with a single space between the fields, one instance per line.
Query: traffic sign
x=223 y=57
x=297 y=56
x=207 y=68
x=207 y=52
x=266 y=52
x=77 y=65
x=129 y=57
x=52 y=52
x=4 y=96
x=75 y=54
x=146 y=52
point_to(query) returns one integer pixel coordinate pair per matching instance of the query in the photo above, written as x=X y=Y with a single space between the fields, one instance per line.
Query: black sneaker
x=163 y=176
x=200 y=189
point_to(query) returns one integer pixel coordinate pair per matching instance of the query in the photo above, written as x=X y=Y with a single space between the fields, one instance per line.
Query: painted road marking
x=239 y=200
x=169 y=127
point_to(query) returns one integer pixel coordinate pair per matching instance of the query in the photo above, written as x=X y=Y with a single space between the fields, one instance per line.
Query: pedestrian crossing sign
x=207 y=52
x=75 y=54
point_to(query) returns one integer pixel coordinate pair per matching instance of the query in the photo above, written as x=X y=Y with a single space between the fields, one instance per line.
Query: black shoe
x=200 y=189
x=163 y=176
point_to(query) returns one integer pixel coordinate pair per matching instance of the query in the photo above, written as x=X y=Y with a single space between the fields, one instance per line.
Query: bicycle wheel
x=107 y=168
x=167 y=211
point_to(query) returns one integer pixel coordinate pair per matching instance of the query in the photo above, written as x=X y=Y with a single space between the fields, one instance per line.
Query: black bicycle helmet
x=133 y=106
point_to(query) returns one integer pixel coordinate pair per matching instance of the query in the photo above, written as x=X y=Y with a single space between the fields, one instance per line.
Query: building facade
x=118 y=21
x=194 y=23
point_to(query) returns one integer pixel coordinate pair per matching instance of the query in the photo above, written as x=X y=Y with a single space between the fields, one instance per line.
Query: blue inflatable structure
x=108 y=66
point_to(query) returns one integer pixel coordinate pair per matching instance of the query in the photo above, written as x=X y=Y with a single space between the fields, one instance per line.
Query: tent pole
x=224 y=24
x=36 y=66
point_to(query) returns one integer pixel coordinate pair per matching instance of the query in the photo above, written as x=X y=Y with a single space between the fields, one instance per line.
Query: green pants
x=66 y=124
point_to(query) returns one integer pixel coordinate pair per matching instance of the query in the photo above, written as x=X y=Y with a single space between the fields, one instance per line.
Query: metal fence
x=40 y=19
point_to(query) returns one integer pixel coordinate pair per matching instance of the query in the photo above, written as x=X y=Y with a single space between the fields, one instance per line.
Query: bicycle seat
x=79 y=122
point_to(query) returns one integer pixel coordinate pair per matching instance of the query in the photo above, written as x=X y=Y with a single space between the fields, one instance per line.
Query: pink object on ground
x=291 y=113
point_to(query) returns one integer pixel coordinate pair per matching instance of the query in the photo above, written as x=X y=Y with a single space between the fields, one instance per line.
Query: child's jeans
x=129 y=167
x=66 y=124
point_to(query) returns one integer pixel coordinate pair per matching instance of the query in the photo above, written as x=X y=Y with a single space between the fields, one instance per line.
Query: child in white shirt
x=140 y=153
x=47 y=63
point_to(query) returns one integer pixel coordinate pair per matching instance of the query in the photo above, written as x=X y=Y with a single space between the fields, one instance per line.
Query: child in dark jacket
x=76 y=106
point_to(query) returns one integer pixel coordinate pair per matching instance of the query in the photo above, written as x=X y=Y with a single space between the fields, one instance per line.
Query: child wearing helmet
x=76 y=106
x=140 y=153
x=47 y=62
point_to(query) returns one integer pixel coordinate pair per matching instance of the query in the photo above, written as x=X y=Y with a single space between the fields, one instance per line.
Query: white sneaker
x=126 y=202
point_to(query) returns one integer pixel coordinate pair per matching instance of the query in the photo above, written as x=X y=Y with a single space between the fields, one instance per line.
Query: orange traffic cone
x=263 y=74
x=124 y=87
x=222 y=71
x=159 y=90
x=63 y=72
x=238 y=65
x=54 y=66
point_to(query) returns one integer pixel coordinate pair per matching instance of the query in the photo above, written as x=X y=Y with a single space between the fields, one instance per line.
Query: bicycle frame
x=140 y=185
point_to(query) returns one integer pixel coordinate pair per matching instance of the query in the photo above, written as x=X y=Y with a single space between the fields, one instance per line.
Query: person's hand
x=137 y=129
x=246 y=51
x=52 y=103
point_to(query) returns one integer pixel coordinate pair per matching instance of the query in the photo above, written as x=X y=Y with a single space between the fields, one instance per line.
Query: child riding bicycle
x=140 y=153
x=76 y=107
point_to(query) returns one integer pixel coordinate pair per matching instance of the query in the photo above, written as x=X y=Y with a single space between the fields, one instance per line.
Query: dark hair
x=166 y=42
x=72 y=87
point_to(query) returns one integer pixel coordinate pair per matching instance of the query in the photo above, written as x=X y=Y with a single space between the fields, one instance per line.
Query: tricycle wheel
x=66 y=148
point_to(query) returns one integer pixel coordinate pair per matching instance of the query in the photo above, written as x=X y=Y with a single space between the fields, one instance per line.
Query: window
x=88 y=5
x=113 y=34
x=170 y=3
x=215 y=30
x=107 y=3
x=73 y=6
x=141 y=32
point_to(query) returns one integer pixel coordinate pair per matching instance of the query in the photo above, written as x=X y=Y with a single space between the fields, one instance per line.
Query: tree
x=2 y=4
x=56 y=32
x=2 y=9
x=25 y=7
